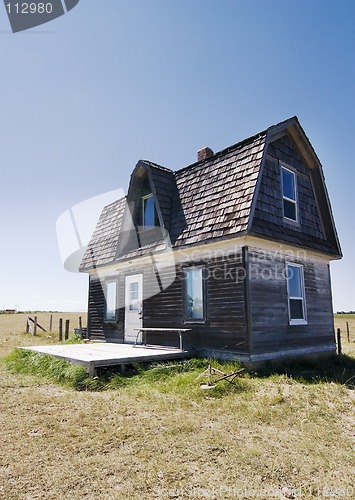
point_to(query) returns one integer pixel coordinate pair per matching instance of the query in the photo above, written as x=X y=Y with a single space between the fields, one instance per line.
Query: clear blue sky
x=84 y=97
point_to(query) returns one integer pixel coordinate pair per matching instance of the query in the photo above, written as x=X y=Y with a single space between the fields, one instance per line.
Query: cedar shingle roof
x=214 y=198
x=103 y=244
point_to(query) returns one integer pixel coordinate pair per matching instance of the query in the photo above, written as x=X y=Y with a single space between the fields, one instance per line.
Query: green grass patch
x=50 y=368
x=336 y=369
x=179 y=378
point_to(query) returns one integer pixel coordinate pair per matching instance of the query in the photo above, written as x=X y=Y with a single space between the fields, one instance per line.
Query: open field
x=13 y=326
x=169 y=439
x=340 y=322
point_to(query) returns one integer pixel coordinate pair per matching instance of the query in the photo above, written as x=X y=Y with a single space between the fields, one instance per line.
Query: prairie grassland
x=166 y=438
x=13 y=326
x=340 y=321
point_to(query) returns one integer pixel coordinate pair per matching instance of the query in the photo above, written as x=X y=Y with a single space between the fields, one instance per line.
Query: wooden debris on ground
x=214 y=375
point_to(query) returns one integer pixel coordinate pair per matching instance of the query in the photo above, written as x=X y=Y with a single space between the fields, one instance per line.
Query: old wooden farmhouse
x=234 y=248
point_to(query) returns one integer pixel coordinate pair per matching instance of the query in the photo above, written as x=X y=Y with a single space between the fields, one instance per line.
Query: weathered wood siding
x=225 y=330
x=98 y=328
x=225 y=327
x=271 y=331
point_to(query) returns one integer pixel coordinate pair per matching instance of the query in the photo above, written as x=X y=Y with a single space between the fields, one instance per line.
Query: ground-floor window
x=111 y=300
x=296 y=294
x=195 y=309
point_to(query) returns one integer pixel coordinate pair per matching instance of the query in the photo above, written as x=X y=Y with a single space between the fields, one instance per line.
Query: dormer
x=150 y=195
x=147 y=216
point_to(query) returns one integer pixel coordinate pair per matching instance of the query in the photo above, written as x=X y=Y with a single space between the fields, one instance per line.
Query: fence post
x=50 y=322
x=61 y=330
x=35 y=326
x=28 y=326
x=339 y=341
x=66 y=329
x=348 y=331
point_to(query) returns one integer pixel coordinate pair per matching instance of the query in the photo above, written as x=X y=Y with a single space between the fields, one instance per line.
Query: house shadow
x=339 y=369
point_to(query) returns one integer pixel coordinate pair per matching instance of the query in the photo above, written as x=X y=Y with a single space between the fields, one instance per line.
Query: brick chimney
x=204 y=153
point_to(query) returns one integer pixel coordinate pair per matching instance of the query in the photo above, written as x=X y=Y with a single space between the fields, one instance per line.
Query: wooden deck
x=97 y=355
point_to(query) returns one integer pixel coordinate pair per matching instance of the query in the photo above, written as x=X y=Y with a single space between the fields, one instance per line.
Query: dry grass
x=340 y=322
x=141 y=442
x=13 y=326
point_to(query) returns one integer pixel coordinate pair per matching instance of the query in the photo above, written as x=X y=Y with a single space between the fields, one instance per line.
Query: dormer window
x=148 y=211
x=289 y=194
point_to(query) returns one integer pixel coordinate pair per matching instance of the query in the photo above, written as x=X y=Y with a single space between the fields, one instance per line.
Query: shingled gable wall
x=268 y=217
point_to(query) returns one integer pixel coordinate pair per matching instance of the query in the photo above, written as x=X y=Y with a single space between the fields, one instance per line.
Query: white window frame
x=144 y=198
x=298 y=321
x=295 y=201
x=107 y=283
x=188 y=319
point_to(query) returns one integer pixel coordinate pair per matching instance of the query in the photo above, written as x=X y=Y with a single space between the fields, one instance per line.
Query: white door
x=133 y=307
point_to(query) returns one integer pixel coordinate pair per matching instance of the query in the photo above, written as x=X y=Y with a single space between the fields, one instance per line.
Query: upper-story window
x=289 y=194
x=148 y=211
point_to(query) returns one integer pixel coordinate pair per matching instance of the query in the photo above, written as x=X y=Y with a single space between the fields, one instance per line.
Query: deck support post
x=91 y=369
